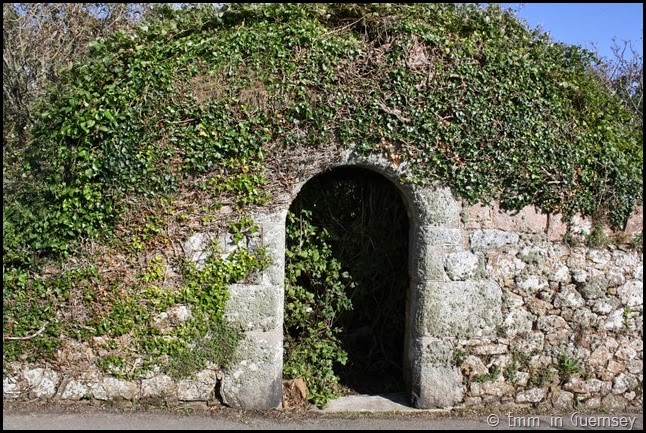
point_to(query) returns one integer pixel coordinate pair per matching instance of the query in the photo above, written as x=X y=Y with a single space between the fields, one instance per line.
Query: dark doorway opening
x=366 y=219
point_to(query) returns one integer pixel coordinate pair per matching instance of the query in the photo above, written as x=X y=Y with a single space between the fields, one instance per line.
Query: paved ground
x=395 y=402
x=381 y=413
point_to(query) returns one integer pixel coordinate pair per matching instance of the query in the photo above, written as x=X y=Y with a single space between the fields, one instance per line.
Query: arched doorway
x=437 y=309
x=366 y=228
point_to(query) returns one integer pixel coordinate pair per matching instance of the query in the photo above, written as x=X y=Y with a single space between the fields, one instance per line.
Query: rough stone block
x=517 y=321
x=477 y=217
x=599 y=257
x=489 y=349
x=592 y=403
x=255 y=380
x=579 y=385
x=625 y=259
x=635 y=222
x=504 y=267
x=473 y=366
x=615 y=320
x=157 y=386
x=529 y=342
x=562 y=400
x=555 y=328
x=614 y=402
x=529 y=284
x=436 y=382
x=568 y=297
x=560 y=275
x=196 y=248
x=623 y=382
x=497 y=388
x=274 y=217
x=465 y=265
x=438 y=207
x=556 y=227
x=460 y=309
x=190 y=390
x=605 y=306
x=43 y=382
x=254 y=307
x=98 y=391
x=115 y=388
x=488 y=239
x=74 y=390
x=533 y=395
x=198 y=388
x=10 y=387
x=427 y=263
x=593 y=288
x=528 y=219
x=273 y=239
x=631 y=293
x=439 y=236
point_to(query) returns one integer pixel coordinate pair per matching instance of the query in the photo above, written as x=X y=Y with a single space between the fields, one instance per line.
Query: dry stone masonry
x=500 y=312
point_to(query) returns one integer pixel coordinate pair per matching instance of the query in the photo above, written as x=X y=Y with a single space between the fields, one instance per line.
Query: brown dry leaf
x=295 y=394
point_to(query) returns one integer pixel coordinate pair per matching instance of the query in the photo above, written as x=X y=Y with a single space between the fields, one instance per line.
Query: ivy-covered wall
x=175 y=136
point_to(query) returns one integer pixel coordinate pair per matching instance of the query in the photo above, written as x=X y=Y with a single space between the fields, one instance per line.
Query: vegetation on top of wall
x=207 y=107
x=465 y=96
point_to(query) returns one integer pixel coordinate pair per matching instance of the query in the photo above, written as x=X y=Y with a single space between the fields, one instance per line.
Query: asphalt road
x=86 y=416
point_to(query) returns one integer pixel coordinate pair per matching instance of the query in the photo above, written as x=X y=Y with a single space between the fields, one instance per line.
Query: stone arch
x=440 y=306
x=434 y=230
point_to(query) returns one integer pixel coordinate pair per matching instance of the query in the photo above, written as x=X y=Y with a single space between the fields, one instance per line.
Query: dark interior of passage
x=368 y=225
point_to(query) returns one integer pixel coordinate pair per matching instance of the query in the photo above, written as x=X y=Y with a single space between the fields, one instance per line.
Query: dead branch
x=28 y=337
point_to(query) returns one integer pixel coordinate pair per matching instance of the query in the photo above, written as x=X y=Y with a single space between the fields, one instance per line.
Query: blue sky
x=590 y=25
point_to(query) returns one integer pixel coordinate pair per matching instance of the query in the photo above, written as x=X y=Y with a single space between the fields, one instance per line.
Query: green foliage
x=244 y=226
x=597 y=238
x=493 y=374
x=520 y=361
x=459 y=356
x=204 y=336
x=567 y=367
x=181 y=348
x=31 y=307
x=539 y=377
x=217 y=346
x=638 y=242
x=315 y=296
x=464 y=94
x=246 y=187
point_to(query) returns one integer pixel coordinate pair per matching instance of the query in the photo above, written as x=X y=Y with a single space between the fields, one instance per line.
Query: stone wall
x=572 y=328
x=255 y=308
x=572 y=331
x=500 y=311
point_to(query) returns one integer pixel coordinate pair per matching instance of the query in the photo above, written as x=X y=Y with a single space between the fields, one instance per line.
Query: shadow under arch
x=367 y=218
